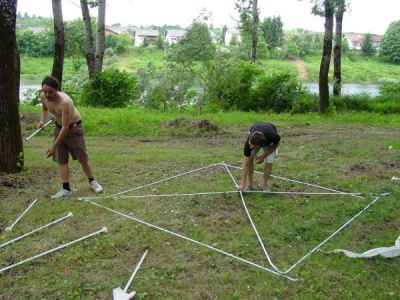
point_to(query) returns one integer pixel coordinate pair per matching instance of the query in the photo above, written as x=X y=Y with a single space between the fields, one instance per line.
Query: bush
x=110 y=88
x=277 y=92
x=305 y=102
x=390 y=88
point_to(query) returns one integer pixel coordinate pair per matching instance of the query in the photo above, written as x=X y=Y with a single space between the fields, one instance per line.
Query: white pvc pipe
x=305 y=183
x=332 y=235
x=216 y=193
x=104 y=229
x=38 y=130
x=253 y=225
x=162 y=180
x=36 y=230
x=193 y=241
x=136 y=269
x=9 y=228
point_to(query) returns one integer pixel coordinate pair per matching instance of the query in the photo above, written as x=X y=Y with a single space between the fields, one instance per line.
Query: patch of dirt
x=301 y=68
x=14 y=180
x=202 y=125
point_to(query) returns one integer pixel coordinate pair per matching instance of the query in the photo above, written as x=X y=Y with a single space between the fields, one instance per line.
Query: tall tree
x=337 y=49
x=272 y=31
x=367 y=47
x=326 y=9
x=254 y=32
x=390 y=45
x=59 y=43
x=90 y=55
x=11 y=148
x=100 y=37
x=249 y=23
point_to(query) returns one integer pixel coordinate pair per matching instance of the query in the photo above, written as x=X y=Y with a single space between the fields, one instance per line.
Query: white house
x=355 y=41
x=148 y=35
x=173 y=36
x=230 y=33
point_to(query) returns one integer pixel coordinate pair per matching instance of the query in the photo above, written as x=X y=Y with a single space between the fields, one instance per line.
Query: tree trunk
x=100 y=38
x=326 y=57
x=254 y=35
x=90 y=57
x=11 y=149
x=337 y=50
x=58 y=61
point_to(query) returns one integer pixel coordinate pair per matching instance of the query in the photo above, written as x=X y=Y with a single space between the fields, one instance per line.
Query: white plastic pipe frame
x=104 y=229
x=275 y=270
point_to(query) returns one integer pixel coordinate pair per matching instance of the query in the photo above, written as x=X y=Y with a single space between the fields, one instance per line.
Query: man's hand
x=259 y=160
x=50 y=152
x=41 y=124
x=240 y=187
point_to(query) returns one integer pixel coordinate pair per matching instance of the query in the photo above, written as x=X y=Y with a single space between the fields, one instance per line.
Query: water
x=24 y=88
x=347 y=88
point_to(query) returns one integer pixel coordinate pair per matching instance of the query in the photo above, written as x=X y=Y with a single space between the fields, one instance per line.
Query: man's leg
x=64 y=172
x=87 y=169
x=247 y=172
x=267 y=173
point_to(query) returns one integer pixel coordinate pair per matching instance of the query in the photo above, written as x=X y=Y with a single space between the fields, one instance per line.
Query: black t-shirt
x=270 y=132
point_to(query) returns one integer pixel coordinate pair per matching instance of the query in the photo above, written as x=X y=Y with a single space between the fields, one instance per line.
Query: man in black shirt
x=262 y=135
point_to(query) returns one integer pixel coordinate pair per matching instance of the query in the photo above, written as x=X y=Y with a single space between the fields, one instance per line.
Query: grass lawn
x=349 y=153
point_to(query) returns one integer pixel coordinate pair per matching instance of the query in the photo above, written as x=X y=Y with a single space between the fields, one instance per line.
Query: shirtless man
x=68 y=135
x=262 y=135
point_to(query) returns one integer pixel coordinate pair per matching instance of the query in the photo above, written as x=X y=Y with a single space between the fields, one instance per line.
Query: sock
x=90 y=179
x=66 y=186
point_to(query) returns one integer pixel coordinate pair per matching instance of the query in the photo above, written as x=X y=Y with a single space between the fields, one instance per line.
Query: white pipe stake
x=136 y=269
x=38 y=130
x=104 y=229
x=36 y=230
x=9 y=228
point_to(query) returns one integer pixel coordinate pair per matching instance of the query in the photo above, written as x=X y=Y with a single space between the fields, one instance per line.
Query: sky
x=363 y=16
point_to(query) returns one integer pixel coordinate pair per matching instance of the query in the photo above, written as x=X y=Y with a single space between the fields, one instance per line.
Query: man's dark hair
x=51 y=81
x=257 y=138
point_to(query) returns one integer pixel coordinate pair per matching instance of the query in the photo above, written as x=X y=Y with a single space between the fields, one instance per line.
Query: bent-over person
x=262 y=135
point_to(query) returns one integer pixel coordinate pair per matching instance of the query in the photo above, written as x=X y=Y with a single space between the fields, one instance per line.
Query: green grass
x=348 y=152
x=356 y=70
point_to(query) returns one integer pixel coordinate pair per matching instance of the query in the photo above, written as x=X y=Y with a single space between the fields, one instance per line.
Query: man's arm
x=65 y=117
x=267 y=152
x=44 y=114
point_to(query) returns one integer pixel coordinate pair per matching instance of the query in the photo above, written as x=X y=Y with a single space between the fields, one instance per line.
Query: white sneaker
x=63 y=193
x=97 y=188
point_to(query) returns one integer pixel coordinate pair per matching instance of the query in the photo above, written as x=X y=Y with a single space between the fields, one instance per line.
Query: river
x=347 y=88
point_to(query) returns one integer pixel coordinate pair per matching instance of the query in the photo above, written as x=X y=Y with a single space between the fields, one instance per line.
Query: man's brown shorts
x=73 y=143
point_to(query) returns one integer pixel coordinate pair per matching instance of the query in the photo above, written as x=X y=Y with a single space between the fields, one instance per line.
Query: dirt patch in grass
x=192 y=127
x=15 y=180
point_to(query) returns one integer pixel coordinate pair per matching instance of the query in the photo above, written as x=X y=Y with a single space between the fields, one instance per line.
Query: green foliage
x=196 y=45
x=275 y=91
x=35 y=21
x=291 y=50
x=111 y=88
x=272 y=31
x=35 y=44
x=390 y=45
x=227 y=84
x=119 y=43
x=242 y=85
x=367 y=48
x=165 y=88
x=305 y=103
x=390 y=88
